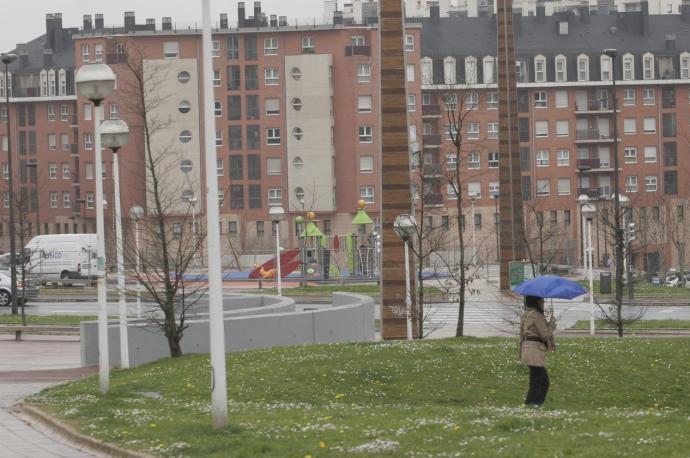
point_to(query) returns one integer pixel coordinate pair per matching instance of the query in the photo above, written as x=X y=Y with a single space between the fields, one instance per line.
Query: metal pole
x=219 y=389
x=498 y=226
x=13 y=246
x=193 y=202
x=136 y=245
x=591 y=276
x=408 y=295
x=616 y=190
x=103 y=350
x=474 y=240
x=122 y=299
x=278 y=271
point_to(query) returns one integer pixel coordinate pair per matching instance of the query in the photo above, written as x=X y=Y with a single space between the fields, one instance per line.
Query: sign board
x=521 y=271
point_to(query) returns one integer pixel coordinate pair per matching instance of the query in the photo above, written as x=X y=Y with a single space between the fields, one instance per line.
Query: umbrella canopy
x=550 y=286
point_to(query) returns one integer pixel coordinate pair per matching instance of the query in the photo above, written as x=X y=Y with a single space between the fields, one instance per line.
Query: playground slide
x=287 y=264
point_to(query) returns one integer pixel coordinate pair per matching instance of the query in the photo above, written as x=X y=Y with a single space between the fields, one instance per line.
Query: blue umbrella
x=550 y=286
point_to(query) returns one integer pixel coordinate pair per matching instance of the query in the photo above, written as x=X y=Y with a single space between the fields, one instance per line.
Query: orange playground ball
x=311 y=216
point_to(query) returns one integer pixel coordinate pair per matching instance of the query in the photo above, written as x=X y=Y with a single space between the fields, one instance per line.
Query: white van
x=63 y=256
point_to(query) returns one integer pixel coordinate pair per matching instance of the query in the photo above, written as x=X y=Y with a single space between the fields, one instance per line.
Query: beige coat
x=534 y=324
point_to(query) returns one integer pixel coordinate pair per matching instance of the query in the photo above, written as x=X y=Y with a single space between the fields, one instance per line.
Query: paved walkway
x=26 y=368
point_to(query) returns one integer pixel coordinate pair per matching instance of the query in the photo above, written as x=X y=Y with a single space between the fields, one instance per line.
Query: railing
x=431 y=140
x=432 y=170
x=591 y=134
x=593 y=106
x=588 y=164
x=602 y=192
x=433 y=199
x=431 y=111
x=357 y=50
x=119 y=58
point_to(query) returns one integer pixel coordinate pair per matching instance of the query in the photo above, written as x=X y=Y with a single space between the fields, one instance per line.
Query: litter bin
x=605 y=283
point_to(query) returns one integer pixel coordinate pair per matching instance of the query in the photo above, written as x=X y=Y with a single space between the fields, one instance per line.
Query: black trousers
x=538 y=385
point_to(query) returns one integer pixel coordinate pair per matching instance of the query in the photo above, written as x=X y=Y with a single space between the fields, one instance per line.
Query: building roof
x=35 y=50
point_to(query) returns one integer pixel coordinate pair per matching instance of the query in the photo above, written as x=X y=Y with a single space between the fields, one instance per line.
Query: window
x=274 y=166
x=297 y=133
x=631 y=183
x=471 y=100
x=254 y=137
x=650 y=154
x=649 y=125
x=52 y=170
x=649 y=96
x=65 y=142
x=492 y=131
x=542 y=157
x=270 y=46
x=90 y=199
x=183 y=77
x=273 y=136
x=409 y=43
x=628 y=67
x=448 y=70
x=236 y=172
x=308 y=45
x=215 y=48
x=251 y=77
x=630 y=155
x=53 y=199
x=605 y=62
x=216 y=78
x=98 y=51
x=364 y=103
x=275 y=197
x=252 y=107
x=492 y=101
x=671 y=186
x=629 y=96
x=271 y=76
x=582 y=68
x=540 y=100
x=473 y=131
x=237 y=196
x=473 y=160
x=648 y=66
x=272 y=107
x=474 y=189
x=85 y=53
x=64 y=113
x=88 y=112
x=493 y=160
x=670 y=154
x=185 y=136
x=171 y=49
x=88 y=141
x=250 y=48
x=451 y=192
x=564 y=186
x=411 y=103
x=363 y=73
x=296 y=73
x=543 y=188
x=561 y=69
x=668 y=97
x=685 y=65
x=410 y=73
x=66 y=174
x=494 y=189
x=562 y=157
x=66 y=200
x=450 y=101
x=366 y=164
x=650 y=183
x=51 y=113
x=217 y=108
x=366 y=193
x=427 y=66
x=184 y=106
x=540 y=69
x=219 y=137
x=254 y=196
x=561 y=99
x=52 y=141
x=668 y=124
x=629 y=126
x=358 y=41
x=296 y=104
x=470 y=70
x=562 y=128
x=541 y=129
x=366 y=134
x=477 y=222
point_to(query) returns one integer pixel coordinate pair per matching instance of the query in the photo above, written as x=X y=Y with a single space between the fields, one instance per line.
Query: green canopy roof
x=312 y=230
x=362 y=218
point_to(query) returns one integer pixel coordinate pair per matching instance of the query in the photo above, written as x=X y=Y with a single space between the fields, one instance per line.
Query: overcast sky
x=24 y=20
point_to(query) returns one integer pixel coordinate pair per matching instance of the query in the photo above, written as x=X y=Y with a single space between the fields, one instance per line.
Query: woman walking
x=536 y=338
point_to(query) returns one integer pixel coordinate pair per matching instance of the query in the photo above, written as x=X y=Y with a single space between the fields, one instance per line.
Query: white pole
x=279 y=274
x=474 y=239
x=122 y=299
x=408 y=295
x=219 y=389
x=196 y=261
x=103 y=351
x=136 y=244
x=591 y=276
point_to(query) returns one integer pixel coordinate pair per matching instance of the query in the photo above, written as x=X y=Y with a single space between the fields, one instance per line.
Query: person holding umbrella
x=536 y=333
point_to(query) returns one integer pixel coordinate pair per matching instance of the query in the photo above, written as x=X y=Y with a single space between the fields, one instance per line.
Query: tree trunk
x=174 y=346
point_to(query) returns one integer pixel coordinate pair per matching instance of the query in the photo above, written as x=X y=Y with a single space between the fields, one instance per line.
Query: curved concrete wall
x=250 y=322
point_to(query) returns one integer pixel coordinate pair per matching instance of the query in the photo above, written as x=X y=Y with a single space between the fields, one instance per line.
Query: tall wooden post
x=511 y=212
x=395 y=167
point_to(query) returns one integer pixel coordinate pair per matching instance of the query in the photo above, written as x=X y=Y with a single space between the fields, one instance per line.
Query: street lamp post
x=114 y=135
x=618 y=231
x=277 y=214
x=136 y=213
x=7 y=59
x=405 y=226
x=495 y=196
x=474 y=231
x=588 y=211
x=96 y=82
x=33 y=165
x=189 y=196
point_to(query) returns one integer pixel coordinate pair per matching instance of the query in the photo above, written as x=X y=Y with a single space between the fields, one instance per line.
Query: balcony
x=593 y=164
x=74 y=150
x=592 y=136
x=431 y=111
x=594 y=107
x=357 y=51
x=603 y=192
x=432 y=170
x=433 y=200
x=118 y=58
x=432 y=141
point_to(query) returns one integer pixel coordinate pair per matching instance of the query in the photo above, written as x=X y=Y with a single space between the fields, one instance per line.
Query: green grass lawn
x=644 y=290
x=455 y=397
x=643 y=324
x=62 y=320
x=327 y=290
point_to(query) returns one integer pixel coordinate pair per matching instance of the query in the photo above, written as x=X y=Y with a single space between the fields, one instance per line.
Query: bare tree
x=168 y=248
x=540 y=237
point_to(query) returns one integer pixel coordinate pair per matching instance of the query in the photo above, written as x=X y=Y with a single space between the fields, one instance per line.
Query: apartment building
x=566 y=125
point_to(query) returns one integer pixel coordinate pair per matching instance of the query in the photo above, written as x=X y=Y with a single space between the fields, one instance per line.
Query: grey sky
x=24 y=20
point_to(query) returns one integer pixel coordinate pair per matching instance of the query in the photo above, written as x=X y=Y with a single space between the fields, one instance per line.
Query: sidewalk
x=27 y=368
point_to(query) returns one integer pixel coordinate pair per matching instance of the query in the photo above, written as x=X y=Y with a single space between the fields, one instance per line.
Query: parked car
x=25 y=294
